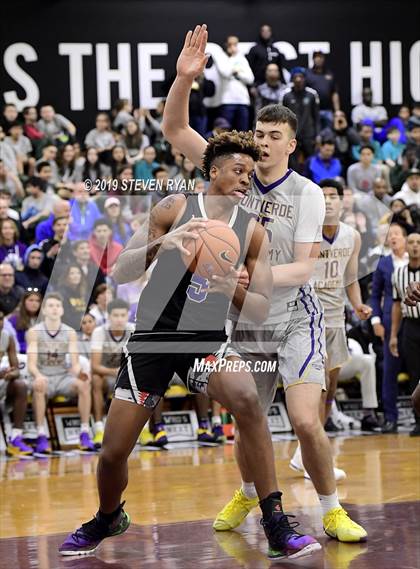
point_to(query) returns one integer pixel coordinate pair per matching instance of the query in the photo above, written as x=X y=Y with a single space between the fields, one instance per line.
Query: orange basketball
x=214 y=252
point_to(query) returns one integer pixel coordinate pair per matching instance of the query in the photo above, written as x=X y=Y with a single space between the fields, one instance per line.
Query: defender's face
x=276 y=141
x=232 y=176
x=333 y=205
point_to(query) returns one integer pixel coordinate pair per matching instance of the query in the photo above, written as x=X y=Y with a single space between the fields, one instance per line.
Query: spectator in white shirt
x=410 y=192
x=367 y=110
x=236 y=77
x=101 y=137
x=55 y=127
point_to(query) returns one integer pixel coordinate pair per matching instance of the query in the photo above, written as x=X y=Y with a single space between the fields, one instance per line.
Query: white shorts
x=337 y=350
x=298 y=347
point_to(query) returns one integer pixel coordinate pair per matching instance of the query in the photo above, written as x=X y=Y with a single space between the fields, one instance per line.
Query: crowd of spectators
x=56 y=236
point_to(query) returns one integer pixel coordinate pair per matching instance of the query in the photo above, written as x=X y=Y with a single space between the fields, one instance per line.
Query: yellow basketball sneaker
x=98 y=438
x=235 y=511
x=339 y=525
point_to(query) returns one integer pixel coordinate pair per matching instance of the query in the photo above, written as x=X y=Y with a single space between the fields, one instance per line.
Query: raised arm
x=175 y=126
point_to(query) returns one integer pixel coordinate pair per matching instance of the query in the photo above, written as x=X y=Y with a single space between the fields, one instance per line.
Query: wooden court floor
x=173 y=497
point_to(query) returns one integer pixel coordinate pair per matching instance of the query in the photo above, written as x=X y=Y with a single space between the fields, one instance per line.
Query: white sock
x=297 y=458
x=328 y=502
x=40 y=431
x=16 y=433
x=99 y=427
x=216 y=420
x=248 y=488
x=84 y=427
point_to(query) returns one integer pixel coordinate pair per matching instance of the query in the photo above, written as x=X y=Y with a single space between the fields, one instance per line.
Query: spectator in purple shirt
x=84 y=213
x=44 y=230
x=11 y=249
x=323 y=164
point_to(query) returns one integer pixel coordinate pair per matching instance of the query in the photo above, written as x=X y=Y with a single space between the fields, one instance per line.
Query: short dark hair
x=403 y=229
x=228 y=143
x=278 y=114
x=369 y=146
x=392 y=129
x=102 y=221
x=327 y=141
x=117 y=304
x=37 y=182
x=331 y=183
x=59 y=219
x=53 y=296
x=43 y=164
x=159 y=169
x=79 y=242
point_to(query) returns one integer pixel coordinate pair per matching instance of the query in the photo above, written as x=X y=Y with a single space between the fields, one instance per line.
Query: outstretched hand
x=193 y=59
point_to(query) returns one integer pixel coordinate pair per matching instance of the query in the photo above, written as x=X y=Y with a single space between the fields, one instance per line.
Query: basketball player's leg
x=302 y=401
x=142 y=381
x=237 y=392
x=304 y=380
x=99 y=388
x=124 y=423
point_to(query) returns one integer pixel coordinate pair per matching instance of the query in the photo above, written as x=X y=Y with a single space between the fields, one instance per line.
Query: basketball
x=214 y=252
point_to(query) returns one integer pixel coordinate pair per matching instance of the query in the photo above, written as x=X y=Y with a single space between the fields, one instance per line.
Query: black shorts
x=150 y=360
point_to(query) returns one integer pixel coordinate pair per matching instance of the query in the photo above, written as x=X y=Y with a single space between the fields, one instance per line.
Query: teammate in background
x=107 y=345
x=292 y=209
x=335 y=276
x=13 y=390
x=181 y=319
x=49 y=342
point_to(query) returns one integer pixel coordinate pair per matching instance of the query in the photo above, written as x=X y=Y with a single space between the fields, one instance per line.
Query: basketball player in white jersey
x=292 y=210
x=107 y=344
x=335 y=276
x=49 y=342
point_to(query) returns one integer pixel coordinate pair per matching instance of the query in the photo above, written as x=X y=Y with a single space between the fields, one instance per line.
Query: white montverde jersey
x=329 y=276
x=292 y=210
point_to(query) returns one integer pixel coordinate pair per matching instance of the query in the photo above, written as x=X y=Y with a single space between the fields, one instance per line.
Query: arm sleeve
x=311 y=215
x=351 y=181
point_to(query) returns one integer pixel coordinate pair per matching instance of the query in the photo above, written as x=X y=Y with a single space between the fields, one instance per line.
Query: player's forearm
x=353 y=294
x=133 y=263
x=176 y=114
x=293 y=274
x=396 y=317
x=251 y=305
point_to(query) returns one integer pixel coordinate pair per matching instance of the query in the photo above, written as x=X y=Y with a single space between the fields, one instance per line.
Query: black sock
x=109 y=518
x=271 y=505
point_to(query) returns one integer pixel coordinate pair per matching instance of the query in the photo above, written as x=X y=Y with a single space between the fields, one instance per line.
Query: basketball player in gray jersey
x=292 y=210
x=335 y=278
x=107 y=346
x=49 y=344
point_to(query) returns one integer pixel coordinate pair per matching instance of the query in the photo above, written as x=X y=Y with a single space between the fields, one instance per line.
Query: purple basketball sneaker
x=86 y=539
x=284 y=541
